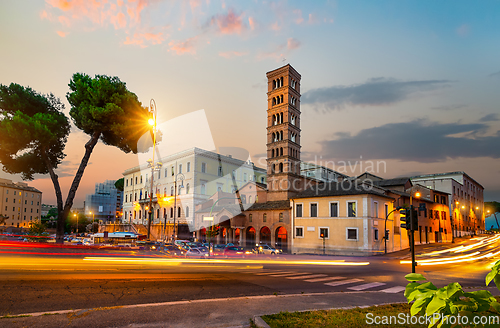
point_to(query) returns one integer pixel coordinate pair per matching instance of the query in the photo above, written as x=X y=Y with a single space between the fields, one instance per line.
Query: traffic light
x=387 y=235
x=404 y=218
x=414 y=219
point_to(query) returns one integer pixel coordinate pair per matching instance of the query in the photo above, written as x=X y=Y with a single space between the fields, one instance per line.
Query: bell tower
x=283 y=133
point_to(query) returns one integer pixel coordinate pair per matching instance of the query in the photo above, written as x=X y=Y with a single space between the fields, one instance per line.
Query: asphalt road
x=40 y=281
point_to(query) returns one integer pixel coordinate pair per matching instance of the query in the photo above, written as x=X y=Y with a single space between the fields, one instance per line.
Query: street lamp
x=151 y=163
x=181 y=177
x=76 y=216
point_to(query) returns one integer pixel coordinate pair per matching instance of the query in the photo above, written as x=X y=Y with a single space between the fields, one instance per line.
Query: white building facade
x=184 y=180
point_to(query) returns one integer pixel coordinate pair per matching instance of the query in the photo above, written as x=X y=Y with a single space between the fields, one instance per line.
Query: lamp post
x=76 y=216
x=385 y=227
x=181 y=177
x=151 y=163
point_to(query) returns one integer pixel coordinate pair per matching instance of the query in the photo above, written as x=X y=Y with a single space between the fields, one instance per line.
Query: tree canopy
x=119 y=184
x=33 y=131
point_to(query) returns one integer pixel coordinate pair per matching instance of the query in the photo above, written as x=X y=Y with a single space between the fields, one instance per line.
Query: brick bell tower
x=283 y=133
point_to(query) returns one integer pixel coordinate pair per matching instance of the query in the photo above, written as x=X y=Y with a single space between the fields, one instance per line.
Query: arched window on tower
x=281 y=117
x=277 y=152
x=281 y=81
x=272 y=152
x=273 y=169
x=293 y=137
x=293 y=119
x=281 y=135
x=281 y=168
x=281 y=99
x=273 y=137
x=274 y=120
x=274 y=84
x=281 y=151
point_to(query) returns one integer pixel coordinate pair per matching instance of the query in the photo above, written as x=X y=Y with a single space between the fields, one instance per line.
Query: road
x=41 y=280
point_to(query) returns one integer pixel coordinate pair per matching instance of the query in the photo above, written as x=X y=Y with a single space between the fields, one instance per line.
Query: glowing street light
x=151 y=163
x=76 y=216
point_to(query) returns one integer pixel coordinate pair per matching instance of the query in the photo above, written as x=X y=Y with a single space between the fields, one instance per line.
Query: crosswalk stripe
x=307 y=276
x=393 y=290
x=324 y=279
x=343 y=282
x=268 y=273
x=366 y=286
x=288 y=274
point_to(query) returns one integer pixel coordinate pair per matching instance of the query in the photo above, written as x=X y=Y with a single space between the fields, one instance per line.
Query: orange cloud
x=154 y=38
x=229 y=24
x=292 y=44
x=44 y=15
x=64 y=21
x=62 y=34
x=230 y=54
x=134 y=41
x=119 y=21
x=298 y=14
x=183 y=47
x=312 y=19
x=251 y=23
x=275 y=26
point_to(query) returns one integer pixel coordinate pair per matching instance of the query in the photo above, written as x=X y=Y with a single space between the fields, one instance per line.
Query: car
x=265 y=249
x=235 y=251
x=171 y=250
x=218 y=250
x=196 y=253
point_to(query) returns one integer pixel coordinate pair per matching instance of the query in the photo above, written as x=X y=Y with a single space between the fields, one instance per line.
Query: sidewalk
x=227 y=312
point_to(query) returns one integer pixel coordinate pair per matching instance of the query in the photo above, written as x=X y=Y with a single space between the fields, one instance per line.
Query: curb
x=259 y=322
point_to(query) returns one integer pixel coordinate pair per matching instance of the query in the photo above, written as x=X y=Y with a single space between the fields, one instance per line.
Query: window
x=334 y=210
x=179 y=212
x=323 y=233
x=220 y=186
x=375 y=236
x=352 y=233
x=264 y=218
x=180 y=168
x=126 y=183
x=298 y=210
x=244 y=177
x=126 y=199
x=141 y=178
x=351 y=209
x=203 y=167
x=314 y=210
x=261 y=179
x=166 y=173
x=203 y=187
x=249 y=217
x=281 y=217
x=299 y=232
x=375 y=209
x=172 y=170
x=187 y=188
x=188 y=168
x=172 y=191
x=187 y=210
x=179 y=188
x=219 y=171
x=386 y=213
x=171 y=212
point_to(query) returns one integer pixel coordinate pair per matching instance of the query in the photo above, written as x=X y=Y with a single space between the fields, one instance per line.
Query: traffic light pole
x=412 y=241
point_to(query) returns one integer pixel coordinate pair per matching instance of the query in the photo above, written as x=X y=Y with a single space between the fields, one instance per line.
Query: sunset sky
x=413 y=83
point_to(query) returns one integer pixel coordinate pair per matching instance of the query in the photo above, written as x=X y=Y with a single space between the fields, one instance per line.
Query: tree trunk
x=89 y=147
x=57 y=188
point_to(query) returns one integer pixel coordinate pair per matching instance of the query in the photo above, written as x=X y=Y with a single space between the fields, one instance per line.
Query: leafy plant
x=442 y=303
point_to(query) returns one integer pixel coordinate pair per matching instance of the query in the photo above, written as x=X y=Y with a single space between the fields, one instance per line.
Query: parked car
x=236 y=251
x=265 y=249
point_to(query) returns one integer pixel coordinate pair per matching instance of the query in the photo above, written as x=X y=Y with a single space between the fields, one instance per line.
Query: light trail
x=161 y=261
